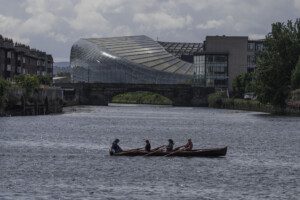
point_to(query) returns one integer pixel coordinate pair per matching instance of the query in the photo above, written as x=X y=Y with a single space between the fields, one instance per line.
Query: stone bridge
x=102 y=93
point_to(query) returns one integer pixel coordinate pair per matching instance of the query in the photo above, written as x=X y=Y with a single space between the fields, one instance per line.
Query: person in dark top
x=147 y=146
x=170 y=145
x=189 y=145
x=115 y=147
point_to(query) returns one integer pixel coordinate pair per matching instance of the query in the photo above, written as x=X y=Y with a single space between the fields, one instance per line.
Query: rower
x=170 y=145
x=147 y=146
x=115 y=148
x=189 y=145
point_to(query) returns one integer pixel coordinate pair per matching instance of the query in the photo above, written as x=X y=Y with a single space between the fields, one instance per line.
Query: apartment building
x=16 y=59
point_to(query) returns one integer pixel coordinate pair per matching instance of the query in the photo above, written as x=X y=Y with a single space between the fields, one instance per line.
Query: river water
x=66 y=156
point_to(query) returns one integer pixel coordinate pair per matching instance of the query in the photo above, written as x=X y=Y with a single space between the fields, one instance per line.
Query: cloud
x=297 y=4
x=89 y=16
x=58 y=37
x=121 y=30
x=162 y=21
x=8 y=26
x=39 y=24
x=54 y=25
x=8 y=23
x=218 y=24
x=254 y=36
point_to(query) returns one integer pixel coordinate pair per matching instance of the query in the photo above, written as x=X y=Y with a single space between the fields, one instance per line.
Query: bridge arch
x=102 y=93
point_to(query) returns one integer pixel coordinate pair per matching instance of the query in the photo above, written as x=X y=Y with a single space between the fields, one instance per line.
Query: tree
x=296 y=76
x=276 y=63
x=29 y=83
x=243 y=83
x=44 y=80
x=4 y=87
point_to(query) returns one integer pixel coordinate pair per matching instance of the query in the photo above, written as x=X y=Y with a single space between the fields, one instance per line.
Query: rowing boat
x=216 y=152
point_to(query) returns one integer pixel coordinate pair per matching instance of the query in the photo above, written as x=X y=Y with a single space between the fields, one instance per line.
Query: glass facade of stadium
x=133 y=59
x=140 y=59
x=210 y=68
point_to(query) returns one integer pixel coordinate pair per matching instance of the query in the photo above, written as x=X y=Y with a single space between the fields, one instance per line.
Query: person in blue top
x=115 y=148
x=170 y=145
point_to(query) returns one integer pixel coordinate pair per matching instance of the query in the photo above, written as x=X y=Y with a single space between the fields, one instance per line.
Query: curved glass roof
x=180 y=48
x=144 y=51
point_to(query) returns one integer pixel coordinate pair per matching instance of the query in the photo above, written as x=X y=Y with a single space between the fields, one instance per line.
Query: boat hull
x=217 y=152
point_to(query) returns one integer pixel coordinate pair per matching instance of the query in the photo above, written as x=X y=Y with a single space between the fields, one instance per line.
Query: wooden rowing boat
x=217 y=152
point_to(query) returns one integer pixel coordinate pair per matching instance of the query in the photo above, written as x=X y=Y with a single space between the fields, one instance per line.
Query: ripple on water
x=66 y=156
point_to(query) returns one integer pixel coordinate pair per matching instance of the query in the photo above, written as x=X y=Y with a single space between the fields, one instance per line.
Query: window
x=216 y=66
x=249 y=69
x=210 y=82
x=19 y=70
x=259 y=47
x=8 y=68
x=251 y=46
x=8 y=55
x=209 y=58
x=199 y=63
x=220 y=58
x=251 y=60
x=220 y=82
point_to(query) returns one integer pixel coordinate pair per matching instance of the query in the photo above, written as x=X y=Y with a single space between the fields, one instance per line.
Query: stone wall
x=102 y=94
x=43 y=101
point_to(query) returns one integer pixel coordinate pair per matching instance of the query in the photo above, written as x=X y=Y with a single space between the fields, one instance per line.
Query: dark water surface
x=66 y=156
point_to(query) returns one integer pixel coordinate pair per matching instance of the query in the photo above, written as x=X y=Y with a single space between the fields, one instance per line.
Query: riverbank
x=43 y=101
x=252 y=105
x=29 y=95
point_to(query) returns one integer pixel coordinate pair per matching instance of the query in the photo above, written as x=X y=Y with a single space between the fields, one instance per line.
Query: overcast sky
x=54 y=25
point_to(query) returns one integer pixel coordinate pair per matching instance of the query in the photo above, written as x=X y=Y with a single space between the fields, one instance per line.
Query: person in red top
x=189 y=145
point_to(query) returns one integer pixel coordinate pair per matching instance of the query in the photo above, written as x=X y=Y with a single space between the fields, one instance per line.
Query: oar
x=154 y=150
x=177 y=148
x=173 y=152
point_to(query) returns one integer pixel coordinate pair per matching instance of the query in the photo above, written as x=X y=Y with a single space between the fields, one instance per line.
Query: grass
x=141 y=98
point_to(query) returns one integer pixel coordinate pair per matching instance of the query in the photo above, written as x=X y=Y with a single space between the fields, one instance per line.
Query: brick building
x=16 y=59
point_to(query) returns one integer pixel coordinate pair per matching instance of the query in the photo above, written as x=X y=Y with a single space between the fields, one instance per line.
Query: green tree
x=276 y=63
x=44 y=80
x=296 y=76
x=29 y=83
x=243 y=83
x=215 y=100
x=4 y=87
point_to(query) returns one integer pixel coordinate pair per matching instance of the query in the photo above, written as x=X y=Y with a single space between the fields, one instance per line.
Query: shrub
x=215 y=99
